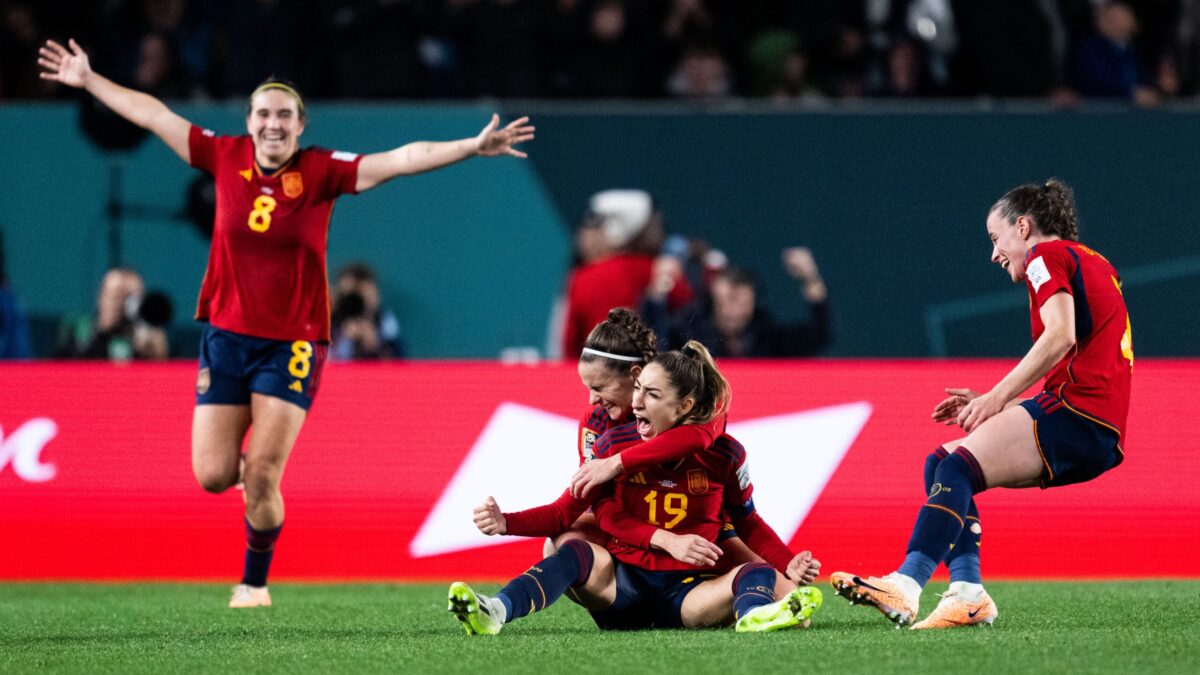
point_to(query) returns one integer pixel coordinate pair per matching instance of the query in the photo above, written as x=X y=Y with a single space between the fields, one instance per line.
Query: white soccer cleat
x=959 y=609
x=479 y=614
x=250 y=596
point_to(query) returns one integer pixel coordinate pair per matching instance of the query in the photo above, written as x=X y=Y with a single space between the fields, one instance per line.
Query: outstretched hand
x=67 y=66
x=803 y=569
x=489 y=519
x=494 y=141
x=947 y=411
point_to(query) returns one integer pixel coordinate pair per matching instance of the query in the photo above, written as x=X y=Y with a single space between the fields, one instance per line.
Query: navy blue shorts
x=1074 y=449
x=234 y=365
x=647 y=599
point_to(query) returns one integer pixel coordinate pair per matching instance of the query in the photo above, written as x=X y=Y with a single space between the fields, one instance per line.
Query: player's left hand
x=978 y=410
x=803 y=569
x=594 y=474
x=493 y=141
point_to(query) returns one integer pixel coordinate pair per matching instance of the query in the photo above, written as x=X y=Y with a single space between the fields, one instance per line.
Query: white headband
x=619 y=357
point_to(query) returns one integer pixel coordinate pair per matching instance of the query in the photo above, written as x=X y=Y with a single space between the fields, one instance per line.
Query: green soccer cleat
x=476 y=611
x=793 y=610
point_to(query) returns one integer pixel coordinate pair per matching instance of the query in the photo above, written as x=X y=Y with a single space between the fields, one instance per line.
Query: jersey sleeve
x=549 y=520
x=673 y=445
x=591 y=427
x=341 y=172
x=739 y=505
x=1047 y=272
x=204 y=147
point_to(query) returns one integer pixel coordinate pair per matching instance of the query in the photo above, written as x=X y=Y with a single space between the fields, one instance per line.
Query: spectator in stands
x=700 y=73
x=362 y=327
x=129 y=324
x=14 y=328
x=731 y=323
x=1107 y=63
x=633 y=232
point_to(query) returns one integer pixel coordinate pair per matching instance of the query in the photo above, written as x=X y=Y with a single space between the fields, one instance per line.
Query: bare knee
x=261 y=481
x=215 y=479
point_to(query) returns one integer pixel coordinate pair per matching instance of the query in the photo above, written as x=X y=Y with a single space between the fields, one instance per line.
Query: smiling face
x=275 y=125
x=656 y=403
x=1010 y=241
x=612 y=390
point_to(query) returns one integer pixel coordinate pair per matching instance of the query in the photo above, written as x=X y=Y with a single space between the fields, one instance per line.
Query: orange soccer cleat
x=958 y=609
x=894 y=595
x=250 y=596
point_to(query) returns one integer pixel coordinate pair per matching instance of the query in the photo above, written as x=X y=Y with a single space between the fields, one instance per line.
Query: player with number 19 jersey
x=267 y=271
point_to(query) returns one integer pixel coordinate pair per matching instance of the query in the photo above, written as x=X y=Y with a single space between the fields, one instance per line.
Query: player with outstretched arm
x=265 y=294
x=1072 y=432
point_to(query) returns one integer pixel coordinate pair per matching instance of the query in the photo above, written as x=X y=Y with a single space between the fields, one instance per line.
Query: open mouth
x=643 y=426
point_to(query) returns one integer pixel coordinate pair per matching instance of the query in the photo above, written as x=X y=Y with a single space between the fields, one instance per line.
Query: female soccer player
x=1070 y=433
x=265 y=294
x=652 y=571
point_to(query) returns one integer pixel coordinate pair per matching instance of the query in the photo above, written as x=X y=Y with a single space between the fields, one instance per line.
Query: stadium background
x=891 y=196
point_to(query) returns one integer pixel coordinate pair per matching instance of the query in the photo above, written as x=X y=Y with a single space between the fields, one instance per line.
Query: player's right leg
x=577 y=564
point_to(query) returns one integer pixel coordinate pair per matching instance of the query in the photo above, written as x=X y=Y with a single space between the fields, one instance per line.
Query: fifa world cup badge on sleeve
x=588 y=442
x=1037 y=273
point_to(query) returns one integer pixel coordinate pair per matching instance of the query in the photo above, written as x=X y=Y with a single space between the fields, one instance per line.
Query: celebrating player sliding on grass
x=265 y=296
x=656 y=570
x=1070 y=433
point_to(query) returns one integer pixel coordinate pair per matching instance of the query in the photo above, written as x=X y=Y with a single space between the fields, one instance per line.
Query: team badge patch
x=743 y=475
x=697 y=481
x=293 y=184
x=587 y=441
x=203 y=381
x=1037 y=273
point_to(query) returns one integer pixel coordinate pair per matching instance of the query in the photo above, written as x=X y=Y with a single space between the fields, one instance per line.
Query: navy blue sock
x=546 y=581
x=968 y=541
x=260 y=548
x=941 y=520
x=963 y=558
x=753 y=586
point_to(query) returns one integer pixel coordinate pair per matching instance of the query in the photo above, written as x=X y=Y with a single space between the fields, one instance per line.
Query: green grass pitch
x=1110 y=627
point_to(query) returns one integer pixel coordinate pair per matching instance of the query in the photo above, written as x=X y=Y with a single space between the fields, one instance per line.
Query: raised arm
x=72 y=68
x=422 y=156
x=670 y=446
x=1058 y=316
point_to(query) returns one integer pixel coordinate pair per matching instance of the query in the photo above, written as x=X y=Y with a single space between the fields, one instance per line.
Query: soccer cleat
x=887 y=594
x=476 y=611
x=250 y=596
x=956 y=610
x=793 y=610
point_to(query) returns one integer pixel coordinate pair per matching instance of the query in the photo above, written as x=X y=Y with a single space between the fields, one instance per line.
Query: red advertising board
x=96 y=482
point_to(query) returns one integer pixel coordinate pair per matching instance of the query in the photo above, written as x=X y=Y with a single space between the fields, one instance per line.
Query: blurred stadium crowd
x=810 y=50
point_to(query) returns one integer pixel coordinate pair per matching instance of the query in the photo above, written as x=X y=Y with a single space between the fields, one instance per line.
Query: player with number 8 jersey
x=265 y=294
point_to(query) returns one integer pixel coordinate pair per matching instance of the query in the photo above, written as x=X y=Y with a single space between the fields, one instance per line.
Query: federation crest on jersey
x=587 y=441
x=697 y=481
x=293 y=184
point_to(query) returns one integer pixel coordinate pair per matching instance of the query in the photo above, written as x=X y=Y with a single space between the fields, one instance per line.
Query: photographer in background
x=731 y=322
x=129 y=323
x=362 y=328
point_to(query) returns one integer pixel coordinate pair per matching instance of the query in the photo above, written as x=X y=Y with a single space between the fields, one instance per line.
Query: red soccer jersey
x=595 y=288
x=266 y=273
x=691 y=496
x=552 y=519
x=1093 y=378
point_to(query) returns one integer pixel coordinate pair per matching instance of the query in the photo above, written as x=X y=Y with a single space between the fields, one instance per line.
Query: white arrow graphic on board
x=525 y=458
